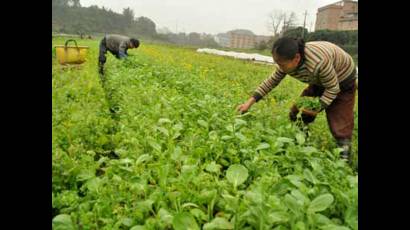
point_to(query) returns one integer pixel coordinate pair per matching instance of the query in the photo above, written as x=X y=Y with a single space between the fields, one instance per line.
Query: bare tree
x=280 y=21
x=289 y=21
x=275 y=21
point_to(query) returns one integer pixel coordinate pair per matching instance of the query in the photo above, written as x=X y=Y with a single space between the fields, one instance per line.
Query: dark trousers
x=101 y=57
x=103 y=51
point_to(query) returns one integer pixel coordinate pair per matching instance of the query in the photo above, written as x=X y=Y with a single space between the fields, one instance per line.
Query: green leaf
x=334 y=227
x=237 y=174
x=85 y=174
x=321 y=219
x=165 y=216
x=312 y=103
x=226 y=137
x=63 y=222
x=176 y=155
x=299 y=226
x=155 y=145
x=262 y=146
x=164 y=120
x=143 y=158
x=321 y=203
x=351 y=218
x=208 y=194
x=277 y=217
x=189 y=205
x=308 y=150
x=229 y=128
x=231 y=200
x=284 y=140
x=184 y=221
x=254 y=197
x=281 y=227
x=176 y=135
x=199 y=214
x=315 y=163
x=138 y=227
x=245 y=151
x=292 y=203
x=188 y=169
x=203 y=123
x=178 y=127
x=353 y=180
x=213 y=167
x=295 y=180
x=218 y=223
x=163 y=131
x=302 y=199
x=309 y=176
x=240 y=136
x=126 y=161
x=116 y=178
x=127 y=222
x=213 y=135
x=239 y=123
x=145 y=206
x=94 y=184
x=300 y=138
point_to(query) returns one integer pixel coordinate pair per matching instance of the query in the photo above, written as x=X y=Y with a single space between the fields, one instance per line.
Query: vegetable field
x=157 y=144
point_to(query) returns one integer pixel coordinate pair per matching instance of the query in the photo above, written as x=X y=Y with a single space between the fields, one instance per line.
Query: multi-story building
x=342 y=15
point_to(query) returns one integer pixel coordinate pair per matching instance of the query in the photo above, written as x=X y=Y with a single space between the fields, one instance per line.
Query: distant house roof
x=338 y=4
x=241 y=31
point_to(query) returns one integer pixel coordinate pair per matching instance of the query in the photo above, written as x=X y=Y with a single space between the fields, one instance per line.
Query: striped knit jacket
x=325 y=64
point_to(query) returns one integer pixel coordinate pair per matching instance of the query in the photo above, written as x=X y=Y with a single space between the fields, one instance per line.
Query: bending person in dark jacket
x=117 y=45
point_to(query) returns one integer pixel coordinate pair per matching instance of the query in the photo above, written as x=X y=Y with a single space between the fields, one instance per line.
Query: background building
x=243 y=39
x=342 y=15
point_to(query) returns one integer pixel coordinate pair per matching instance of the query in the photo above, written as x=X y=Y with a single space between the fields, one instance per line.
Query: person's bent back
x=116 y=45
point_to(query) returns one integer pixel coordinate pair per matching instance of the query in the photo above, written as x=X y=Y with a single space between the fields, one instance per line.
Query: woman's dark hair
x=135 y=42
x=287 y=47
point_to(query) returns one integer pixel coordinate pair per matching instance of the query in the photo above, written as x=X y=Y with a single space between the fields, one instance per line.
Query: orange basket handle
x=70 y=40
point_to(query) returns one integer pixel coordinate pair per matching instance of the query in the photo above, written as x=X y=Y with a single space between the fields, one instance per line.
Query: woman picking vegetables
x=330 y=73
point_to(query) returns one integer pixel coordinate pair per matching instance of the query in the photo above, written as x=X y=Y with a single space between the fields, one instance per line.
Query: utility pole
x=284 y=26
x=304 y=24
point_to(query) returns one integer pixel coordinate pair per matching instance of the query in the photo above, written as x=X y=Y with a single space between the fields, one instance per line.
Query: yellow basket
x=71 y=54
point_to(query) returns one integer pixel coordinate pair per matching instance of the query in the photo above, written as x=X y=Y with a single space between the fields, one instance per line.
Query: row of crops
x=157 y=144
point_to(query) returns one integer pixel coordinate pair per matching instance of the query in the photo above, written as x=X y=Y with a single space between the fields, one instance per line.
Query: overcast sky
x=214 y=16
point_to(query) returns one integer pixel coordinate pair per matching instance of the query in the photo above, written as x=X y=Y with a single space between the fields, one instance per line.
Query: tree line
x=68 y=16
